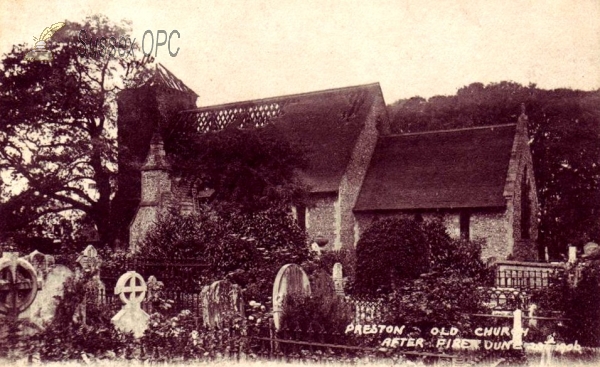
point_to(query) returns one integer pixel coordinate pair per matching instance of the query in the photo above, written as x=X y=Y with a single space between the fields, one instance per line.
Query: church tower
x=142 y=112
x=155 y=193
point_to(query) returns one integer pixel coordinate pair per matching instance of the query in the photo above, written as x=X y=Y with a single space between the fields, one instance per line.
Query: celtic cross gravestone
x=19 y=284
x=131 y=289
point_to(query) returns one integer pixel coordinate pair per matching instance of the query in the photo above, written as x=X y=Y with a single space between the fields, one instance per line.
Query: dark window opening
x=465 y=230
x=525 y=207
x=301 y=217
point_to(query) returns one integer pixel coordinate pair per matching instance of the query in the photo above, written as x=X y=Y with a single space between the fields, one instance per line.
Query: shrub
x=584 y=309
x=390 y=250
x=182 y=337
x=246 y=248
x=67 y=336
x=395 y=250
x=318 y=318
x=437 y=299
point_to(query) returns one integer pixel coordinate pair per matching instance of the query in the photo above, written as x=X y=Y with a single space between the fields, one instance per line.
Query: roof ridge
x=161 y=72
x=279 y=98
x=449 y=130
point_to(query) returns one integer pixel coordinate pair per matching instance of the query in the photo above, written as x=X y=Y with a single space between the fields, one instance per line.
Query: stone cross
x=89 y=260
x=131 y=289
x=18 y=284
x=290 y=280
x=338 y=279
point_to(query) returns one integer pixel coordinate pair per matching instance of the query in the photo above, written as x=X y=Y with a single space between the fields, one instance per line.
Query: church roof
x=325 y=124
x=463 y=168
x=163 y=77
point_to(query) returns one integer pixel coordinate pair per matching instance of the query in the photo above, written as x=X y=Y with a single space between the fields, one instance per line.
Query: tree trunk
x=101 y=209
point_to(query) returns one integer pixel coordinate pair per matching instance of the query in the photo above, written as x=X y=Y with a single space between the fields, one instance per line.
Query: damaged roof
x=463 y=168
x=325 y=124
x=163 y=77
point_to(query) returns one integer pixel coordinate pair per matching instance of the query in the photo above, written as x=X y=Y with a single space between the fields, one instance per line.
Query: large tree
x=58 y=123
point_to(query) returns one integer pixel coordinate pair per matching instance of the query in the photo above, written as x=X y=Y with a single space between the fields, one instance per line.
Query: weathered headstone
x=338 y=279
x=220 y=299
x=290 y=280
x=89 y=260
x=155 y=288
x=41 y=263
x=19 y=284
x=131 y=288
x=44 y=306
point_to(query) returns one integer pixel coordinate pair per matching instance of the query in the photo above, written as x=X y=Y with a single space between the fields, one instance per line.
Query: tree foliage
x=253 y=169
x=564 y=127
x=390 y=250
x=585 y=307
x=58 y=126
x=429 y=278
x=246 y=248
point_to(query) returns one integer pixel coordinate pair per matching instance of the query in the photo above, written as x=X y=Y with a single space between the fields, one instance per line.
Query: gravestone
x=89 y=267
x=572 y=254
x=338 y=279
x=131 y=289
x=290 y=280
x=89 y=261
x=44 y=306
x=220 y=299
x=41 y=263
x=517 y=330
x=19 y=284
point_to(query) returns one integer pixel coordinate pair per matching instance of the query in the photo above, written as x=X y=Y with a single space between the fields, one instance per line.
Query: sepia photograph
x=265 y=183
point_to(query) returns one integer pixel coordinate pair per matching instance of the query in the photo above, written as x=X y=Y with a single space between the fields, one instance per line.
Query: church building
x=479 y=181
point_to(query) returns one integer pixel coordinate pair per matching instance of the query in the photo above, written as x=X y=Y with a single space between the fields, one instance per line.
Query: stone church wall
x=322 y=218
x=355 y=172
x=522 y=248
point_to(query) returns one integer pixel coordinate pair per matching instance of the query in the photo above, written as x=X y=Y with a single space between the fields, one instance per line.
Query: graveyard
x=104 y=306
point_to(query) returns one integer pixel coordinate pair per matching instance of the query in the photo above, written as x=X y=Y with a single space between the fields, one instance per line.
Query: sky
x=240 y=50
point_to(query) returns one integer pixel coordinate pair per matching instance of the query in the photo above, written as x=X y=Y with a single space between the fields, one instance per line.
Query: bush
x=182 y=337
x=395 y=250
x=67 y=336
x=246 y=248
x=390 y=250
x=317 y=317
x=584 y=310
x=437 y=299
